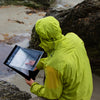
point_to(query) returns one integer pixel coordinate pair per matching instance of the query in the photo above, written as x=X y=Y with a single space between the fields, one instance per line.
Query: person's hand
x=30 y=63
x=35 y=69
x=29 y=82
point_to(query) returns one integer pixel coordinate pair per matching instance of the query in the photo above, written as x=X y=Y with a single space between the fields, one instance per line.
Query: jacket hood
x=49 y=31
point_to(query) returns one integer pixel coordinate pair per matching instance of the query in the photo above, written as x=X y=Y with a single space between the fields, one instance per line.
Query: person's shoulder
x=74 y=37
x=71 y=34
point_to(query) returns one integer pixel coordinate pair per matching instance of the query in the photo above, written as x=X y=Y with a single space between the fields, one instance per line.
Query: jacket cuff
x=33 y=85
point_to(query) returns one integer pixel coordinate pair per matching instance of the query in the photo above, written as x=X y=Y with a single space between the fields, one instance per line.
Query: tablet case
x=26 y=73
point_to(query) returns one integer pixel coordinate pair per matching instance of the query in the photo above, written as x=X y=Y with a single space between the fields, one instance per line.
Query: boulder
x=29 y=3
x=84 y=20
x=11 y=92
x=37 y=4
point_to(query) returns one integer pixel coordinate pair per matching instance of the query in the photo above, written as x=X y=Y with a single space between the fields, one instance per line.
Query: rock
x=11 y=92
x=84 y=20
x=45 y=2
x=41 y=4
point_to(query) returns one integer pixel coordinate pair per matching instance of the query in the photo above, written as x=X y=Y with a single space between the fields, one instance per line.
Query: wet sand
x=96 y=88
x=4 y=70
x=10 y=13
x=16 y=23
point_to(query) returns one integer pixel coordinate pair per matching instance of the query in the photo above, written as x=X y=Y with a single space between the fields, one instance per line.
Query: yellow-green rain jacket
x=67 y=67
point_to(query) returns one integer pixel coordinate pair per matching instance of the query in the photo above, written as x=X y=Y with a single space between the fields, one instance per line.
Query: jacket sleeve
x=52 y=88
x=41 y=64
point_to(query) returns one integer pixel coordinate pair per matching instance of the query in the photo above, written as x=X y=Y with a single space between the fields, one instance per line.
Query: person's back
x=75 y=69
x=67 y=68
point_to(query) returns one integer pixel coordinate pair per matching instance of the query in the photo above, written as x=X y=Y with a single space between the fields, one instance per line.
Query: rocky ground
x=16 y=23
x=11 y=92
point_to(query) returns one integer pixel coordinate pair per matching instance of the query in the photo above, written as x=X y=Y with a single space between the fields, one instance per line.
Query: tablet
x=18 y=58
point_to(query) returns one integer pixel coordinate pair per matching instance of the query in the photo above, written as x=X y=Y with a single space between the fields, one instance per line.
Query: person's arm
x=53 y=85
x=40 y=65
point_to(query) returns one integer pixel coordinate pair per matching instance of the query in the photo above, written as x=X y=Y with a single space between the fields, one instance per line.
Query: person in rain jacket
x=67 y=68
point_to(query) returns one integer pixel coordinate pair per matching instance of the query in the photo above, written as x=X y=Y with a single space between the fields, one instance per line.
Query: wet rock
x=84 y=20
x=44 y=4
x=11 y=92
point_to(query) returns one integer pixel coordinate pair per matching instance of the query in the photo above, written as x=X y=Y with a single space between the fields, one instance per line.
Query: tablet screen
x=18 y=58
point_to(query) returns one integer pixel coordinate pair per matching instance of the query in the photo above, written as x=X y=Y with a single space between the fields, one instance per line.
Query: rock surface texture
x=11 y=92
